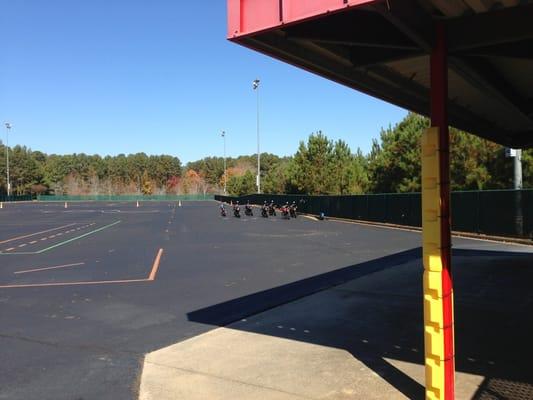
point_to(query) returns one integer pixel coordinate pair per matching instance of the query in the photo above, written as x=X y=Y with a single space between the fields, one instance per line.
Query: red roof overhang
x=382 y=47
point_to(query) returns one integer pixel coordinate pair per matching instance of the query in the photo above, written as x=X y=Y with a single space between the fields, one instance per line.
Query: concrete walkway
x=359 y=340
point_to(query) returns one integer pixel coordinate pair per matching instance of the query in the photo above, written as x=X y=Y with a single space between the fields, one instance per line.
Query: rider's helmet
x=237 y=202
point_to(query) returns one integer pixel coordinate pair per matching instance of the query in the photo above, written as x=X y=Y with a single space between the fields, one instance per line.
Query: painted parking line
x=47 y=268
x=155 y=266
x=36 y=233
x=150 y=278
x=63 y=242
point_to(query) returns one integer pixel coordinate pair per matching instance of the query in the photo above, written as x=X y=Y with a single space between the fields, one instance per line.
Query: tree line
x=319 y=166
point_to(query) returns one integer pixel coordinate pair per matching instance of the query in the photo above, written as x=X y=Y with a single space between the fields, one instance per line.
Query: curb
x=470 y=235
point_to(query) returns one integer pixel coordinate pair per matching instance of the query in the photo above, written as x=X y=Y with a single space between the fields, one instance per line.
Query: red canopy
x=382 y=47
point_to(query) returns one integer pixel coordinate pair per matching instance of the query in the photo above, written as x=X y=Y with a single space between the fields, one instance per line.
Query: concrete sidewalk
x=359 y=340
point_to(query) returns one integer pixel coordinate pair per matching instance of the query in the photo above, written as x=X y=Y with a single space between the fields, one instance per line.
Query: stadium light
x=255 y=85
x=8 y=182
x=225 y=172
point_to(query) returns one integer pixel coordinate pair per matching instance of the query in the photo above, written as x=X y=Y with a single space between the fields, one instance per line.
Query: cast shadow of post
x=385 y=320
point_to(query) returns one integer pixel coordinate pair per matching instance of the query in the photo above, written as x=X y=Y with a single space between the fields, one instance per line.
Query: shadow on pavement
x=374 y=311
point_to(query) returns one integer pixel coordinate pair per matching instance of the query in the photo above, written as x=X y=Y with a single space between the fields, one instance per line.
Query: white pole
x=519 y=218
x=8 y=182
x=256 y=88
x=518 y=170
x=225 y=172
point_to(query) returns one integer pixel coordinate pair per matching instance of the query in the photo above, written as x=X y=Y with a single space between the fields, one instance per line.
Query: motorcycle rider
x=293 y=207
x=237 y=209
x=222 y=209
x=264 y=210
x=272 y=208
x=248 y=209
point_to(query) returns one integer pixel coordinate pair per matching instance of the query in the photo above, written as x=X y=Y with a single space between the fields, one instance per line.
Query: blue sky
x=158 y=76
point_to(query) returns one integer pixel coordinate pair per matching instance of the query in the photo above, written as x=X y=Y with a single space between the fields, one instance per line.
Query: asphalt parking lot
x=86 y=291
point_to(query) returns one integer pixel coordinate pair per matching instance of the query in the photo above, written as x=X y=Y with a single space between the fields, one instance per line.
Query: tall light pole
x=518 y=169
x=255 y=85
x=225 y=172
x=8 y=182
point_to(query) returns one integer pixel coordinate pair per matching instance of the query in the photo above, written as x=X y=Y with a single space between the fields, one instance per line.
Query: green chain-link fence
x=491 y=212
x=26 y=197
x=186 y=197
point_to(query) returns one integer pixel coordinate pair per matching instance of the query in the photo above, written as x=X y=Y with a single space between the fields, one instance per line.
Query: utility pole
x=225 y=172
x=8 y=181
x=519 y=222
x=255 y=85
x=518 y=169
x=516 y=155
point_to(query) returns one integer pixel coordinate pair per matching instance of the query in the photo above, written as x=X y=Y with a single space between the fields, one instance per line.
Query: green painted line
x=64 y=242
x=77 y=237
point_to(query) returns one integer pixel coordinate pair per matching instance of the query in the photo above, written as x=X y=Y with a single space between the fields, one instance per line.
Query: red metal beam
x=247 y=17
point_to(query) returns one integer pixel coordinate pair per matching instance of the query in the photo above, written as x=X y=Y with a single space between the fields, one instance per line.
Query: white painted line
x=10 y=249
x=33 y=242
x=22 y=245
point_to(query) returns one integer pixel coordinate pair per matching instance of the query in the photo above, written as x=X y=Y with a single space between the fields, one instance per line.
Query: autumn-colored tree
x=147 y=187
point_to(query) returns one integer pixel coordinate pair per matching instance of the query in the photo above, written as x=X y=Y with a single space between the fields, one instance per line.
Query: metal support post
x=438 y=283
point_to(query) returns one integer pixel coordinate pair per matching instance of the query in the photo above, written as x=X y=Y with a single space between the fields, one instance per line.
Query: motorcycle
x=285 y=213
x=292 y=211
x=272 y=210
x=264 y=212
x=248 y=211
x=237 y=211
x=222 y=212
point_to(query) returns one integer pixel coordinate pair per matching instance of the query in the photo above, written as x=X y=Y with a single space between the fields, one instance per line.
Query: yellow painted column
x=433 y=266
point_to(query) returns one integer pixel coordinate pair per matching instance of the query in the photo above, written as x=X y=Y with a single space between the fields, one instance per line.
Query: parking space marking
x=60 y=243
x=151 y=277
x=155 y=266
x=47 y=268
x=36 y=233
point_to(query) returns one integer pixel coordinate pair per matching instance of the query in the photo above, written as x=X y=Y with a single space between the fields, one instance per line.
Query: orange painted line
x=47 y=268
x=36 y=233
x=150 y=278
x=155 y=267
